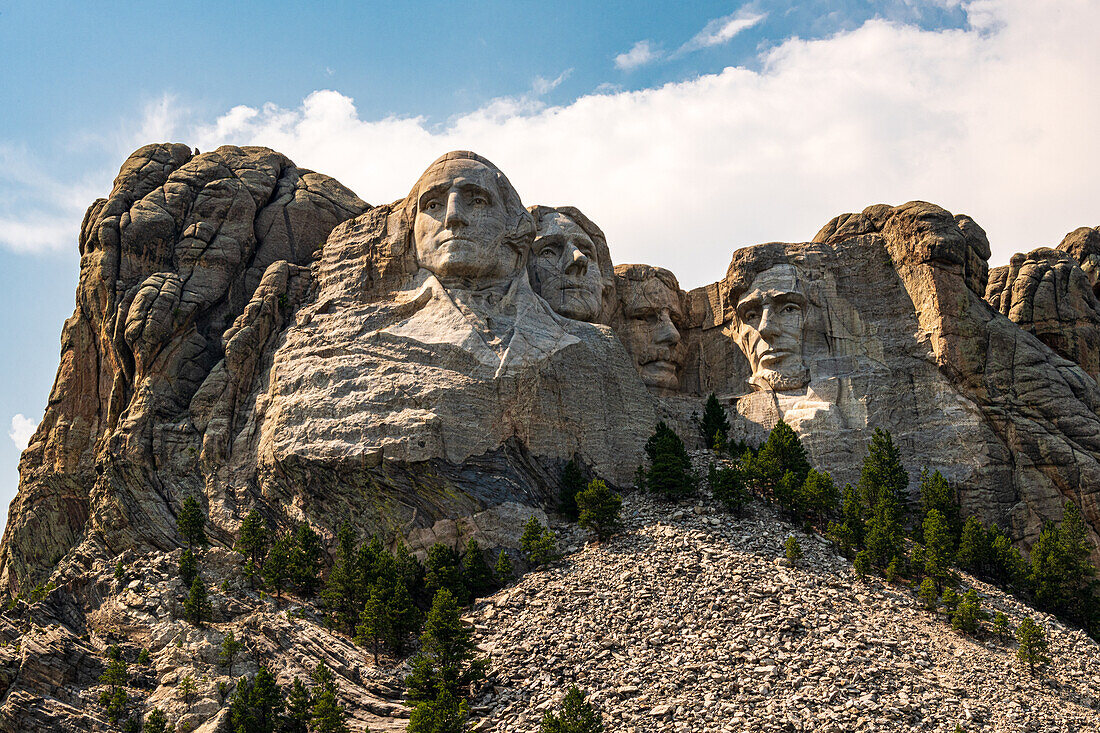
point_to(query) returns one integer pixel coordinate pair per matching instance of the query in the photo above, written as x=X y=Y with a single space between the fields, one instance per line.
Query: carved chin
x=788 y=380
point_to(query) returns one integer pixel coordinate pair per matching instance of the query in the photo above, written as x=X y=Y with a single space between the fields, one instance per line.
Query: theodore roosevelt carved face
x=648 y=323
x=564 y=269
x=462 y=222
x=768 y=321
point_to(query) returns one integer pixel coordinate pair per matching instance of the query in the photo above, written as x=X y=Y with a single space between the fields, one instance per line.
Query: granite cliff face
x=253 y=334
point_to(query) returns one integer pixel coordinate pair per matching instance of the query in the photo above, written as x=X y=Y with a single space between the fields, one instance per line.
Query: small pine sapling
x=598 y=508
x=230 y=648
x=968 y=613
x=1032 y=642
x=577 y=716
x=189 y=568
x=792 y=549
x=1001 y=626
x=929 y=598
x=537 y=542
x=503 y=570
x=862 y=564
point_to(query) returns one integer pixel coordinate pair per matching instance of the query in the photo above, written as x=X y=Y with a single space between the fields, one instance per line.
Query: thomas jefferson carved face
x=461 y=221
x=648 y=329
x=564 y=270
x=768 y=328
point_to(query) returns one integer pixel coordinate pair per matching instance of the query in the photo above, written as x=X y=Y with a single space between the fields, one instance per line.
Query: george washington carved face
x=768 y=322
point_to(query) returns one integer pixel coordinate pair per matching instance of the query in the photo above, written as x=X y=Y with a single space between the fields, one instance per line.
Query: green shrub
x=599 y=509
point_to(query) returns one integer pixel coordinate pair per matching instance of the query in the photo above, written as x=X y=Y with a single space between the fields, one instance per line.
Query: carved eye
x=751 y=315
x=432 y=205
x=791 y=308
x=479 y=200
x=548 y=252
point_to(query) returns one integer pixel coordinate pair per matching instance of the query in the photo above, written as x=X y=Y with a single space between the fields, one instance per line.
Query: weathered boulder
x=1083 y=244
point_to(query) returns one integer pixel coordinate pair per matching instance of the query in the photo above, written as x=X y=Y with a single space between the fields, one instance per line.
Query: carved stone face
x=461 y=222
x=650 y=312
x=564 y=270
x=768 y=328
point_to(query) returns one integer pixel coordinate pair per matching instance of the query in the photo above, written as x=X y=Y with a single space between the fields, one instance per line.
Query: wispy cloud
x=640 y=54
x=22 y=430
x=722 y=30
x=542 y=85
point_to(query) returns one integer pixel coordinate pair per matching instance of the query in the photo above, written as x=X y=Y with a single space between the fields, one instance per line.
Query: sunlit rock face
x=253 y=334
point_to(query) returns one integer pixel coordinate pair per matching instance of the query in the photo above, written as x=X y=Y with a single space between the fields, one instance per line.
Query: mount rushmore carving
x=253 y=334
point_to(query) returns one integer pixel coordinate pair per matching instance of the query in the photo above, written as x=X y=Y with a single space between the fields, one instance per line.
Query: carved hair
x=603 y=254
x=520 y=230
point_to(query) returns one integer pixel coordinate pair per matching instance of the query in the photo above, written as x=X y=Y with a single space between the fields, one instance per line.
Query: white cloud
x=722 y=30
x=640 y=54
x=542 y=85
x=997 y=120
x=22 y=429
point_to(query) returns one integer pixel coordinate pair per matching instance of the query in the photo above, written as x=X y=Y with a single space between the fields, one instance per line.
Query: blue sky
x=685 y=129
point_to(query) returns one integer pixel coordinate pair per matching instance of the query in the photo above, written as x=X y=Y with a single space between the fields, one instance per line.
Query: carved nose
x=768 y=325
x=455 y=215
x=666 y=331
x=577 y=261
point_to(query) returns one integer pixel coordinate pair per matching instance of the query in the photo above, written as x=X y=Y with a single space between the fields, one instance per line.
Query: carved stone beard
x=769 y=379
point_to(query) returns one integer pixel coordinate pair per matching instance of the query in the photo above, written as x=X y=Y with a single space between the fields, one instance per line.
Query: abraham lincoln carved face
x=767 y=326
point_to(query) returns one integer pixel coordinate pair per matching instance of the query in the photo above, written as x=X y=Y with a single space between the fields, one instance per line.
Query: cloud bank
x=996 y=120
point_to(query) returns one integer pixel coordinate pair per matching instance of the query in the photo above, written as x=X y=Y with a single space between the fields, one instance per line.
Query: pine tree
x=599 y=509
x=374 y=624
x=1032 y=642
x=577 y=716
x=503 y=571
x=572 y=482
x=884 y=537
x=973 y=552
x=299 y=709
x=116 y=677
x=190 y=522
x=968 y=613
x=252 y=543
x=537 y=542
x=818 y=495
x=404 y=618
x=196 y=608
x=850 y=532
x=256 y=705
x=341 y=593
x=792 y=549
x=669 y=472
x=862 y=563
x=187 y=690
x=882 y=474
x=447 y=664
x=444 y=714
x=714 y=425
x=230 y=648
x=936 y=493
x=276 y=570
x=189 y=568
x=727 y=485
x=156 y=722
x=781 y=453
x=443 y=569
x=950 y=600
x=306 y=556
x=937 y=546
x=328 y=715
x=929 y=596
x=1000 y=625
x=476 y=571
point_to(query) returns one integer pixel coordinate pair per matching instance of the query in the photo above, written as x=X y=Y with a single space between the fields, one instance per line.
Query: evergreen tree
x=792 y=549
x=256 y=705
x=577 y=716
x=537 y=542
x=786 y=494
x=196 y=608
x=444 y=714
x=862 y=564
x=818 y=495
x=599 y=509
x=937 y=547
x=409 y=569
x=669 y=472
x=968 y=613
x=974 y=548
x=230 y=648
x=341 y=593
x=374 y=624
x=884 y=533
x=727 y=485
x=447 y=660
x=882 y=476
x=950 y=600
x=503 y=571
x=1062 y=576
x=156 y=722
x=189 y=568
x=1032 y=642
x=299 y=709
x=714 y=425
x=929 y=596
x=276 y=571
x=116 y=677
x=306 y=556
x=476 y=571
x=190 y=522
x=187 y=690
x=1000 y=625
x=781 y=453
x=1006 y=566
x=936 y=493
x=328 y=715
x=404 y=618
x=572 y=483
x=252 y=543
x=443 y=569
x=850 y=532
